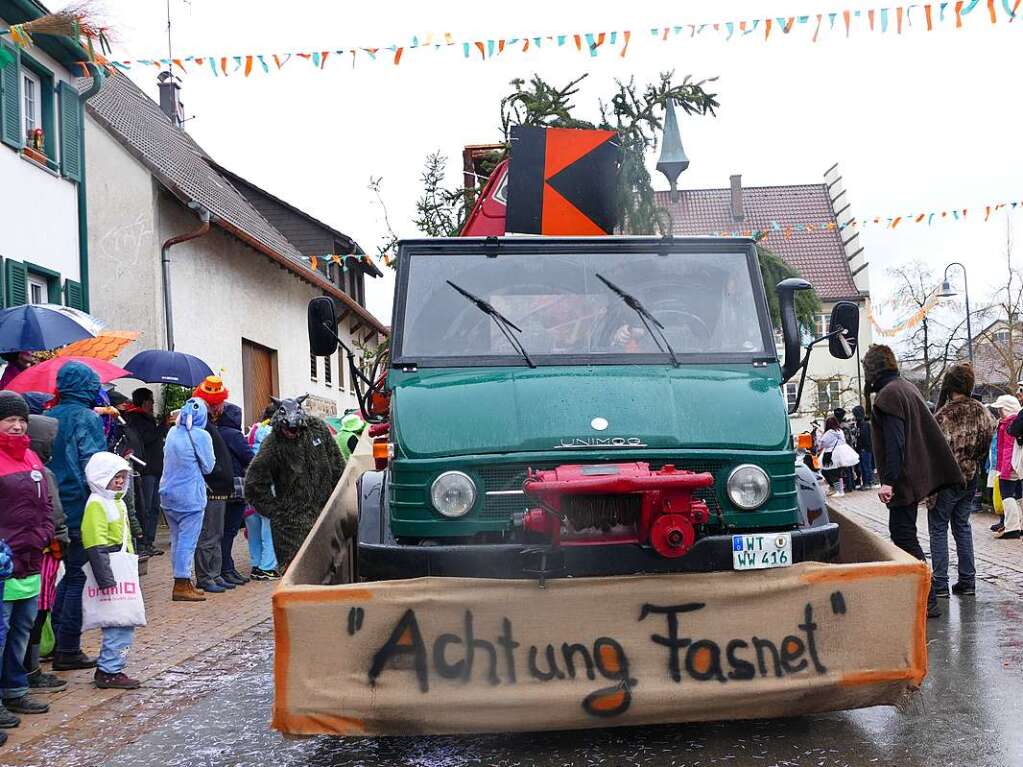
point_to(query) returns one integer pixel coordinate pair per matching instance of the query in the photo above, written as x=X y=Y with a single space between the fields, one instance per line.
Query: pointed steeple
x=673 y=158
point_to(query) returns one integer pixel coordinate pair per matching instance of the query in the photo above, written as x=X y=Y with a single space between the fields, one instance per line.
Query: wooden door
x=259 y=372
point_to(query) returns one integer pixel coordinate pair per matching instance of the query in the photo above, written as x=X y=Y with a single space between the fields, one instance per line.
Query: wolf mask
x=289 y=417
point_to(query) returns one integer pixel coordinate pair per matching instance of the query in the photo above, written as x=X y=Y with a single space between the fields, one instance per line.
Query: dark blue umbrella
x=159 y=366
x=34 y=327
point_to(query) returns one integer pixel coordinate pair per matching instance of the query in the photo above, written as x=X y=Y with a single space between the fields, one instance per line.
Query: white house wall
x=124 y=250
x=40 y=208
x=224 y=291
x=41 y=214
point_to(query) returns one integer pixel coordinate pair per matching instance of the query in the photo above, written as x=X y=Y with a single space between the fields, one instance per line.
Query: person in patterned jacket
x=968 y=428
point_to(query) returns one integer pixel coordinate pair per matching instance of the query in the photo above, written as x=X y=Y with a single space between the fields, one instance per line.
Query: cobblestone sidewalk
x=999 y=562
x=176 y=632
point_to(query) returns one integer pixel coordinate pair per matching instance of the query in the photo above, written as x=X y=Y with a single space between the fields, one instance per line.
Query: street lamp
x=947 y=291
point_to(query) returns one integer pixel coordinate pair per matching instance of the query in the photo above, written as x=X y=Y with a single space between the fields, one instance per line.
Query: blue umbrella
x=34 y=327
x=160 y=366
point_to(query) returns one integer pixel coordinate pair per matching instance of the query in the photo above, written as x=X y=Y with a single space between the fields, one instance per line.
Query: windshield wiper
x=503 y=323
x=644 y=314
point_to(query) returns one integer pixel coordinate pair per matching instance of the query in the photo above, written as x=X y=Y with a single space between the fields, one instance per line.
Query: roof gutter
x=83 y=208
x=203 y=228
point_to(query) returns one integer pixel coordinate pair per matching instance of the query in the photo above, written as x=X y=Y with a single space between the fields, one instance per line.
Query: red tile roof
x=818 y=255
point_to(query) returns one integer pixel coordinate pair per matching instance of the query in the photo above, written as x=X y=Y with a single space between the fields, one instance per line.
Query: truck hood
x=445 y=412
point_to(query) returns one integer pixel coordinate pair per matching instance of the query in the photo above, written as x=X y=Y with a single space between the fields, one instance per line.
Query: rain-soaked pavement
x=970 y=712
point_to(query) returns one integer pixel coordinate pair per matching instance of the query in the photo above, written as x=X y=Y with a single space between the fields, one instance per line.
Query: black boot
x=72 y=661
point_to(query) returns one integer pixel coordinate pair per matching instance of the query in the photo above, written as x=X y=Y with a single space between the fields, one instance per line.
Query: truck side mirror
x=322 y=327
x=845 y=316
x=790 y=325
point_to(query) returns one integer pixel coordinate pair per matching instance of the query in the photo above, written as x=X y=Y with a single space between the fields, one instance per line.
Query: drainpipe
x=83 y=211
x=204 y=216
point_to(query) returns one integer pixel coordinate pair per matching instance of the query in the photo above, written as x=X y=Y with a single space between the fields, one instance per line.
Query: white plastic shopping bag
x=120 y=605
x=1017 y=458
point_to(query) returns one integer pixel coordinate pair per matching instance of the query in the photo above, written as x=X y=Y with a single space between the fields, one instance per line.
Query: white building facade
x=238 y=291
x=43 y=243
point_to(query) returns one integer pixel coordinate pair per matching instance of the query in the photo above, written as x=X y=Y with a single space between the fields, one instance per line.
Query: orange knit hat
x=211 y=390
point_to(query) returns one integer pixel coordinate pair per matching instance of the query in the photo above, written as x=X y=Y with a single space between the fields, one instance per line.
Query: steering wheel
x=689 y=318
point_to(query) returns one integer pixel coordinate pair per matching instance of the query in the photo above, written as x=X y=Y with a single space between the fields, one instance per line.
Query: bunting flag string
x=907 y=323
x=774 y=229
x=893 y=21
x=786 y=229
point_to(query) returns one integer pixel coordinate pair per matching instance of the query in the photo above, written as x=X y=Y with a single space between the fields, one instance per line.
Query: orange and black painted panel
x=561 y=181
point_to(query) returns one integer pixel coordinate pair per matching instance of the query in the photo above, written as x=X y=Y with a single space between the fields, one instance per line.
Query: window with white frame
x=829 y=395
x=38 y=289
x=791 y=389
x=328 y=373
x=822 y=323
x=31 y=103
x=1001 y=336
x=313 y=372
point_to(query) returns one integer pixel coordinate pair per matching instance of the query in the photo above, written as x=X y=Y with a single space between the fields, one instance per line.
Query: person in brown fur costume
x=968 y=428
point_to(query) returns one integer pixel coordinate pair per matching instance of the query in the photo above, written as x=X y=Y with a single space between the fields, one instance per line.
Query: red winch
x=608 y=499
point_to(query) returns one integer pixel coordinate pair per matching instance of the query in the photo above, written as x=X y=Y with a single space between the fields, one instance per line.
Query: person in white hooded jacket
x=105 y=529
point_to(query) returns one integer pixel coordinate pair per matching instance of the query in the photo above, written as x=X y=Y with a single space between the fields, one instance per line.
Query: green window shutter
x=73 y=294
x=70 y=132
x=10 y=99
x=16 y=283
x=53 y=289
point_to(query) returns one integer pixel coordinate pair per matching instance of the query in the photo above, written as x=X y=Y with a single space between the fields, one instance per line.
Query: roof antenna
x=170 y=97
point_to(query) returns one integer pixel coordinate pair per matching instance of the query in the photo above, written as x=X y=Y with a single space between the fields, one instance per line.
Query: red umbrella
x=43 y=377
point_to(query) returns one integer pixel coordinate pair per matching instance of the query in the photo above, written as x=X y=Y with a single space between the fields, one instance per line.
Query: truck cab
x=585 y=407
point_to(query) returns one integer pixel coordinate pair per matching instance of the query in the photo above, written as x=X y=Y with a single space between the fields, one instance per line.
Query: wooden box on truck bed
x=445 y=655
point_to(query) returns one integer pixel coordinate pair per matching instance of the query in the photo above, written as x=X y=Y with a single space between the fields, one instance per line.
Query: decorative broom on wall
x=79 y=21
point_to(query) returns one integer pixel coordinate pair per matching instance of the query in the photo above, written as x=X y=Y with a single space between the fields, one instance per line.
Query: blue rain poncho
x=187 y=456
x=79 y=437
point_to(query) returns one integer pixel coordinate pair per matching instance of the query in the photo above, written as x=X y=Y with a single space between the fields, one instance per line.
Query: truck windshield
x=704 y=302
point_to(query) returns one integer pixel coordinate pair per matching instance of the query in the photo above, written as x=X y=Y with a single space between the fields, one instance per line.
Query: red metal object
x=487 y=218
x=667 y=513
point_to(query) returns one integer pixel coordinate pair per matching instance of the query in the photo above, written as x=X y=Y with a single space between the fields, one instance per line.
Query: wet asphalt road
x=970 y=712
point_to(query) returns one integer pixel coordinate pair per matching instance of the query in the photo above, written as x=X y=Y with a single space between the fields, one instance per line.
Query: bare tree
x=934 y=343
x=998 y=347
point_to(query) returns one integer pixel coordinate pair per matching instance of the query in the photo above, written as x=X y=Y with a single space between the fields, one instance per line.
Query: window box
x=36 y=155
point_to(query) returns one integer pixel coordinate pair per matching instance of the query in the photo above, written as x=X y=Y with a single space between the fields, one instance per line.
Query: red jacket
x=1005 y=443
x=26 y=514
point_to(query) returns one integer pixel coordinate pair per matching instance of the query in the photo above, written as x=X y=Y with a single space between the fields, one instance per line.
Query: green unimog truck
x=586 y=407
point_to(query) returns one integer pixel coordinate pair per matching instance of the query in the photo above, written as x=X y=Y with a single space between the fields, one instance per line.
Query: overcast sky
x=918 y=122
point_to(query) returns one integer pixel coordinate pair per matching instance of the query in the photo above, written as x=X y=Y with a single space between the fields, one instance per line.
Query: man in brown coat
x=913 y=457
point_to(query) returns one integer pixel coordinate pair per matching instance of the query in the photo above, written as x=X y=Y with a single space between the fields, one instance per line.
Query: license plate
x=759 y=551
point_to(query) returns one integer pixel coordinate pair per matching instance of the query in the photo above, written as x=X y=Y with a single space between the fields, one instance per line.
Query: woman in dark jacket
x=230 y=427
x=26 y=523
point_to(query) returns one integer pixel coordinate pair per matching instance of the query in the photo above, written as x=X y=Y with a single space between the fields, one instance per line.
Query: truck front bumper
x=391 y=561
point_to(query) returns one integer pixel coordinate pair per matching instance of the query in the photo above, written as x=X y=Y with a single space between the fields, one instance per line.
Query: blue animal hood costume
x=187 y=456
x=79 y=437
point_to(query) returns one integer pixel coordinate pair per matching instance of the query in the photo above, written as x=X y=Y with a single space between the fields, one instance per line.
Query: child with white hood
x=105 y=529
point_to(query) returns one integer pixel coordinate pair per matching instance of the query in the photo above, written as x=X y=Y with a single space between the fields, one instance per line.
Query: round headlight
x=748 y=487
x=453 y=494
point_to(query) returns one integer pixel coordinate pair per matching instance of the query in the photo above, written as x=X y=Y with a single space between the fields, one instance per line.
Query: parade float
x=584 y=508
